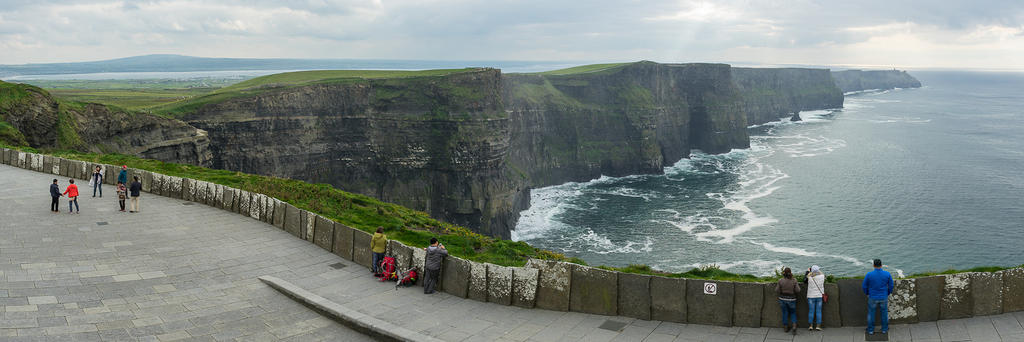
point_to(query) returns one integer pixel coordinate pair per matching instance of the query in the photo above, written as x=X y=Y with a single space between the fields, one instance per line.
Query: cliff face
x=47 y=123
x=436 y=144
x=626 y=120
x=858 y=80
x=770 y=94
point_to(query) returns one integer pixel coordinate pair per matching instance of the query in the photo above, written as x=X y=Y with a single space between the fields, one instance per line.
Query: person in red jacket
x=72 y=192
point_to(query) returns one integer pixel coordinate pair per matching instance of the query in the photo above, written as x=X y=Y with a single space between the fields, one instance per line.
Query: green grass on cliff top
x=263 y=84
x=583 y=69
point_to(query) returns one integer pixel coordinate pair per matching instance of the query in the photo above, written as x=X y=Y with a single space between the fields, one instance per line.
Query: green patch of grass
x=11 y=136
x=710 y=272
x=263 y=84
x=583 y=69
x=134 y=99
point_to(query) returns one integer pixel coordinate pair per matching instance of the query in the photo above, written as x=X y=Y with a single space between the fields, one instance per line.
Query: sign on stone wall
x=710 y=288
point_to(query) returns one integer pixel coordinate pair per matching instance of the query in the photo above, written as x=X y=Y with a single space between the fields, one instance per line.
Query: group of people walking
x=877 y=285
x=132 y=190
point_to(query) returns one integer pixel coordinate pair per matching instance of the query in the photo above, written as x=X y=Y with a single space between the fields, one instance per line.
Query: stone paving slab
x=178 y=271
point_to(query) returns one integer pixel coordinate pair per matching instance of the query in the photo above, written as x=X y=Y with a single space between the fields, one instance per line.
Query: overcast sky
x=902 y=34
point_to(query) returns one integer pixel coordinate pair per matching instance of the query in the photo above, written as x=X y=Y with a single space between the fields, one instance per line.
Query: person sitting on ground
x=878 y=286
x=786 y=289
x=435 y=255
x=815 y=292
x=55 y=195
x=72 y=192
x=379 y=244
x=135 y=189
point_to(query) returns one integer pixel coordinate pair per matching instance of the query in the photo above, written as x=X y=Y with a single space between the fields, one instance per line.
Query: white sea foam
x=806 y=253
x=593 y=242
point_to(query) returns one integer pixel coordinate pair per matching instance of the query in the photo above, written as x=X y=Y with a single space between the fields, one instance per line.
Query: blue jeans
x=788 y=311
x=97 y=185
x=73 y=202
x=813 y=309
x=377 y=258
x=881 y=304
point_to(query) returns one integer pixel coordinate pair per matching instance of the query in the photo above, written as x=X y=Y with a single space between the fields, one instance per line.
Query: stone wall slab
x=279 y=211
x=987 y=293
x=747 y=301
x=186 y=188
x=668 y=299
x=419 y=258
x=929 y=297
x=343 y=234
x=361 y=248
x=455 y=276
x=324 y=233
x=47 y=164
x=771 y=314
x=499 y=284
x=853 y=303
x=478 y=282
x=524 y=286
x=1013 y=289
x=634 y=295
x=593 y=291
x=402 y=255
x=830 y=311
x=709 y=309
x=147 y=181
x=552 y=285
x=956 y=297
x=308 y=224
x=903 y=301
x=293 y=221
x=244 y=202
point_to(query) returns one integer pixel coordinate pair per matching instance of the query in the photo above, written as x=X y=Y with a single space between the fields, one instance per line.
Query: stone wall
x=561 y=286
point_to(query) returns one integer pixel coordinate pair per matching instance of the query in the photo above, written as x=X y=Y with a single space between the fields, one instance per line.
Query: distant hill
x=176 y=63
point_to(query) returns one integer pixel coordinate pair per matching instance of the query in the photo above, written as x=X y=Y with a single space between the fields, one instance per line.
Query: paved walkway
x=189 y=271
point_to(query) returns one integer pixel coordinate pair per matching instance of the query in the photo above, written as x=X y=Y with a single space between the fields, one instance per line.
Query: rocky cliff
x=769 y=94
x=858 y=80
x=629 y=119
x=44 y=122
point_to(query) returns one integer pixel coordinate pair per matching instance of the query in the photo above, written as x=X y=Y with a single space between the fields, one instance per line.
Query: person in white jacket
x=815 y=290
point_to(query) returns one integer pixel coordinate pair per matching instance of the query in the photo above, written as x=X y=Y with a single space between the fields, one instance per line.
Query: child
x=122 y=194
x=72 y=192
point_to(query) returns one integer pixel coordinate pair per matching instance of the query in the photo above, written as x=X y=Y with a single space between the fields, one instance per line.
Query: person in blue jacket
x=123 y=176
x=877 y=286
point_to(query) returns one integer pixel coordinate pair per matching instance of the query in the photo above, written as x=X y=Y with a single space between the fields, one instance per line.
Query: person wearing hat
x=878 y=286
x=815 y=292
x=123 y=176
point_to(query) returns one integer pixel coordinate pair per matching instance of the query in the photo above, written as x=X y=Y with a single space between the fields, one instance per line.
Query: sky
x=863 y=33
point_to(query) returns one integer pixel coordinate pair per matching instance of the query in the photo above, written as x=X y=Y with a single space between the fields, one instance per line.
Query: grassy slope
x=291 y=79
x=584 y=69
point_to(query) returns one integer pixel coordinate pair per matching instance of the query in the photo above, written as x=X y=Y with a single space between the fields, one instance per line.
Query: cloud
x=810 y=32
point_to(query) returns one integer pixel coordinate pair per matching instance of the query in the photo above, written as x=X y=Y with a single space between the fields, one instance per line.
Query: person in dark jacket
x=878 y=286
x=123 y=176
x=135 y=189
x=97 y=181
x=55 y=195
x=435 y=255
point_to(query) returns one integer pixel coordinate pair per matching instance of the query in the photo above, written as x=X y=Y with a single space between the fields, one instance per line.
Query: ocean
x=926 y=179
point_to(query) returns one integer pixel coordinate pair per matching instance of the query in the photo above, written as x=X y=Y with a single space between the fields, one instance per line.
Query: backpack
x=387 y=269
x=408 y=278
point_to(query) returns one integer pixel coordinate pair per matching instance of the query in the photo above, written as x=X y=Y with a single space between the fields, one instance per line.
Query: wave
x=806 y=253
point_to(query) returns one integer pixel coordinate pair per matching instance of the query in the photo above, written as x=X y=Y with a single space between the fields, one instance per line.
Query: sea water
x=925 y=179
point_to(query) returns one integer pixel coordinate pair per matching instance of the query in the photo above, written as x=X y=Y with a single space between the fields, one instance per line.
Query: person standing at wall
x=97 y=181
x=435 y=255
x=878 y=286
x=122 y=177
x=55 y=196
x=815 y=292
x=786 y=289
x=135 y=189
x=379 y=244
x=72 y=192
